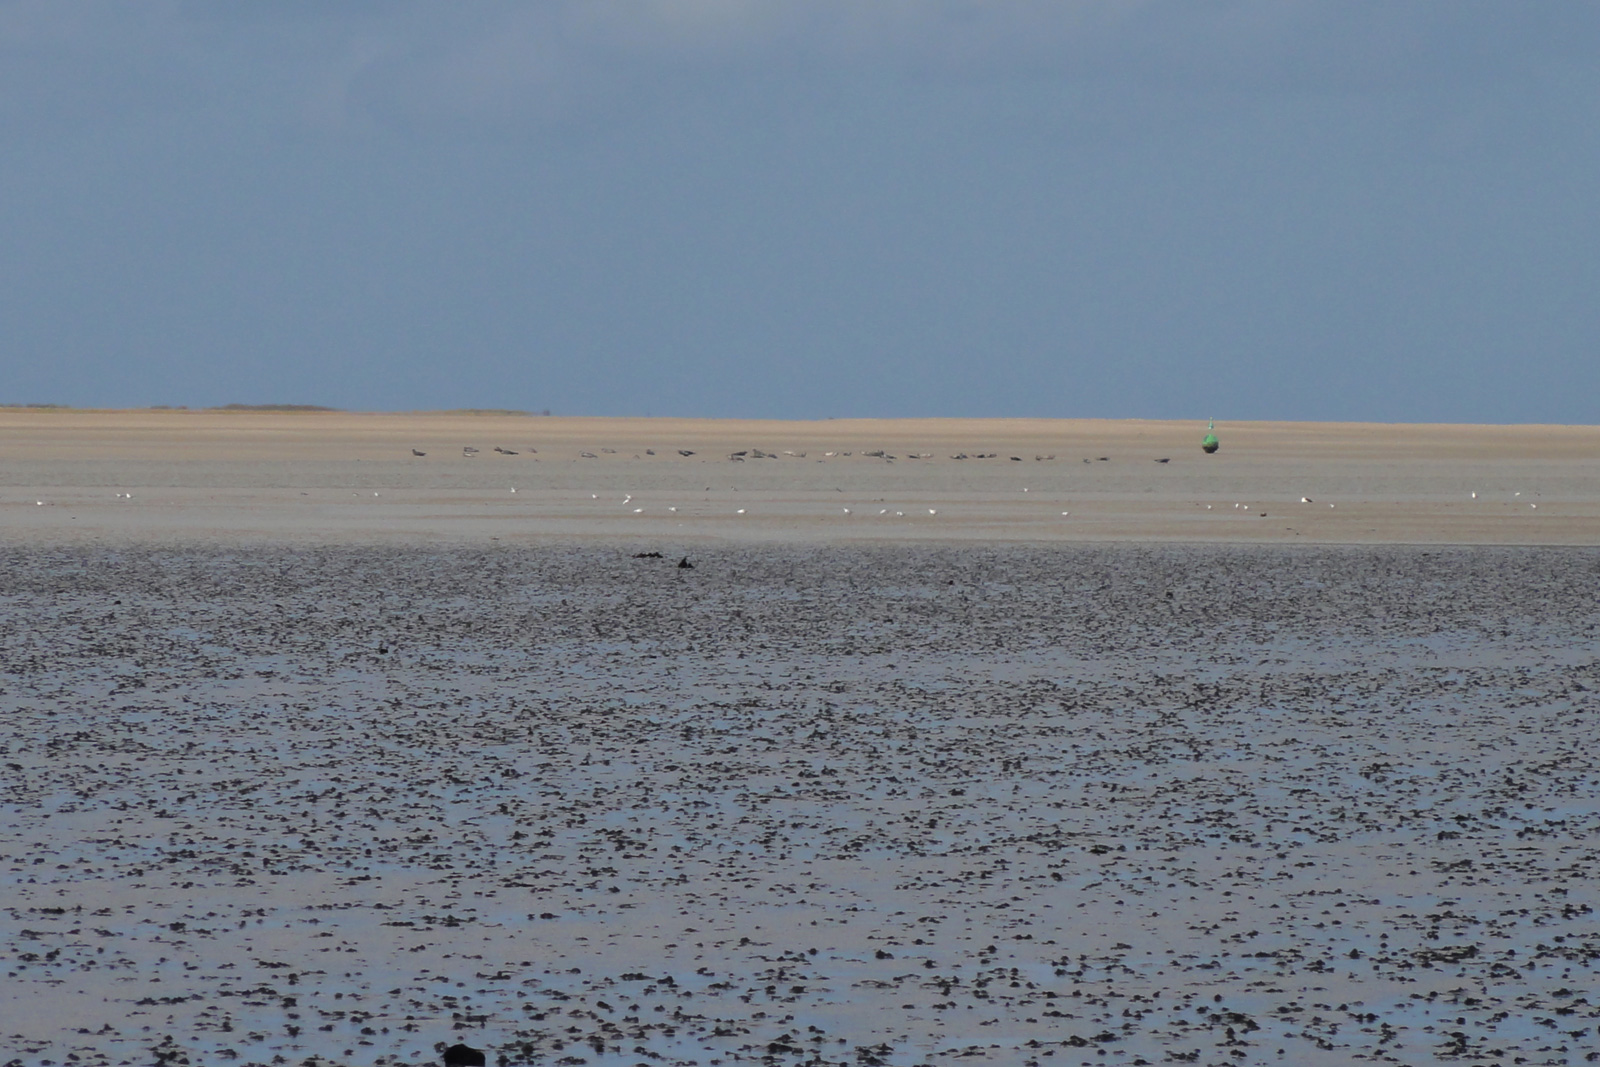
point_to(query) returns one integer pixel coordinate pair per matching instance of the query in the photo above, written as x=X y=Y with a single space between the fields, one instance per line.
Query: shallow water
x=800 y=804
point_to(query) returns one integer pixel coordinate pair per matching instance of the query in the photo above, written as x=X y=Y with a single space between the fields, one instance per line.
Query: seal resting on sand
x=463 y=1056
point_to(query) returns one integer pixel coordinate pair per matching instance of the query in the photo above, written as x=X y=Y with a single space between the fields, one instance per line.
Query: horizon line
x=489 y=412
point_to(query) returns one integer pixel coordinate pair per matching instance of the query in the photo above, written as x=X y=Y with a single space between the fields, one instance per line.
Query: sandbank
x=170 y=476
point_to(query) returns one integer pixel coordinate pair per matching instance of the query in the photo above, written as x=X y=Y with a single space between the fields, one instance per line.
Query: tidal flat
x=799 y=804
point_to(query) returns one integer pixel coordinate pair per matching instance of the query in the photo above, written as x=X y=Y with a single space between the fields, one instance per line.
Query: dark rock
x=463 y=1056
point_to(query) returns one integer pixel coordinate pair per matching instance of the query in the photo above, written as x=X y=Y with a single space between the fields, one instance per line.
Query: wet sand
x=330 y=477
x=299 y=780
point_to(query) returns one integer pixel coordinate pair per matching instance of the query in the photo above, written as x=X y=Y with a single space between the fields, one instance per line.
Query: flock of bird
x=739 y=456
x=897 y=511
x=809 y=805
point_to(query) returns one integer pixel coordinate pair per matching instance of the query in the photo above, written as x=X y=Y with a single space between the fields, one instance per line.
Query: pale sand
x=320 y=477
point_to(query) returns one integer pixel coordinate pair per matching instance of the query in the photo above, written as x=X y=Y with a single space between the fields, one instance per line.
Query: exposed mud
x=799 y=804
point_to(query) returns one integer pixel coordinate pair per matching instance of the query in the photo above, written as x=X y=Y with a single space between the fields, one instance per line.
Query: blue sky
x=1288 y=209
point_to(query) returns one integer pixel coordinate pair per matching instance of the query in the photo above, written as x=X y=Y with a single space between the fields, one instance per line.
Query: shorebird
x=417 y=452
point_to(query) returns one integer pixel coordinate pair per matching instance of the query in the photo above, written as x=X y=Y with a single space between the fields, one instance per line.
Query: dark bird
x=685 y=451
x=463 y=1056
x=685 y=565
x=414 y=452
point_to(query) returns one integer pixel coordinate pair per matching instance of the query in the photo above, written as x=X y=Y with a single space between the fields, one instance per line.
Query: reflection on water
x=800 y=805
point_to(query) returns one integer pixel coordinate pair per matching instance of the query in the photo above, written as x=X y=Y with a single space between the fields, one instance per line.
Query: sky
x=1374 y=210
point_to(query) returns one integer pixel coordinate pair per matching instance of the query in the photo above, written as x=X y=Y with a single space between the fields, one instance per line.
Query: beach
x=330 y=477
x=319 y=751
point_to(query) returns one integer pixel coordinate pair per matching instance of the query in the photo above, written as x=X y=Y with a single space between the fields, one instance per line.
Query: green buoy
x=1209 y=443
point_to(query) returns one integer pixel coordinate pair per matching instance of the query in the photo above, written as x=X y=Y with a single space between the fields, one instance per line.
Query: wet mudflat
x=800 y=804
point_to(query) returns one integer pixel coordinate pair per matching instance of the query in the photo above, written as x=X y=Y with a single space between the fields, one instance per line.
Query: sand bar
x=327 y=477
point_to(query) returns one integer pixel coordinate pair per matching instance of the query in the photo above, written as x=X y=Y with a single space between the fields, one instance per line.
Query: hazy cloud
x=415 y=61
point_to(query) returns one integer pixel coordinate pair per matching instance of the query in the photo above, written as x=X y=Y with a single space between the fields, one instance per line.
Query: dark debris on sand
x=1004 y=805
